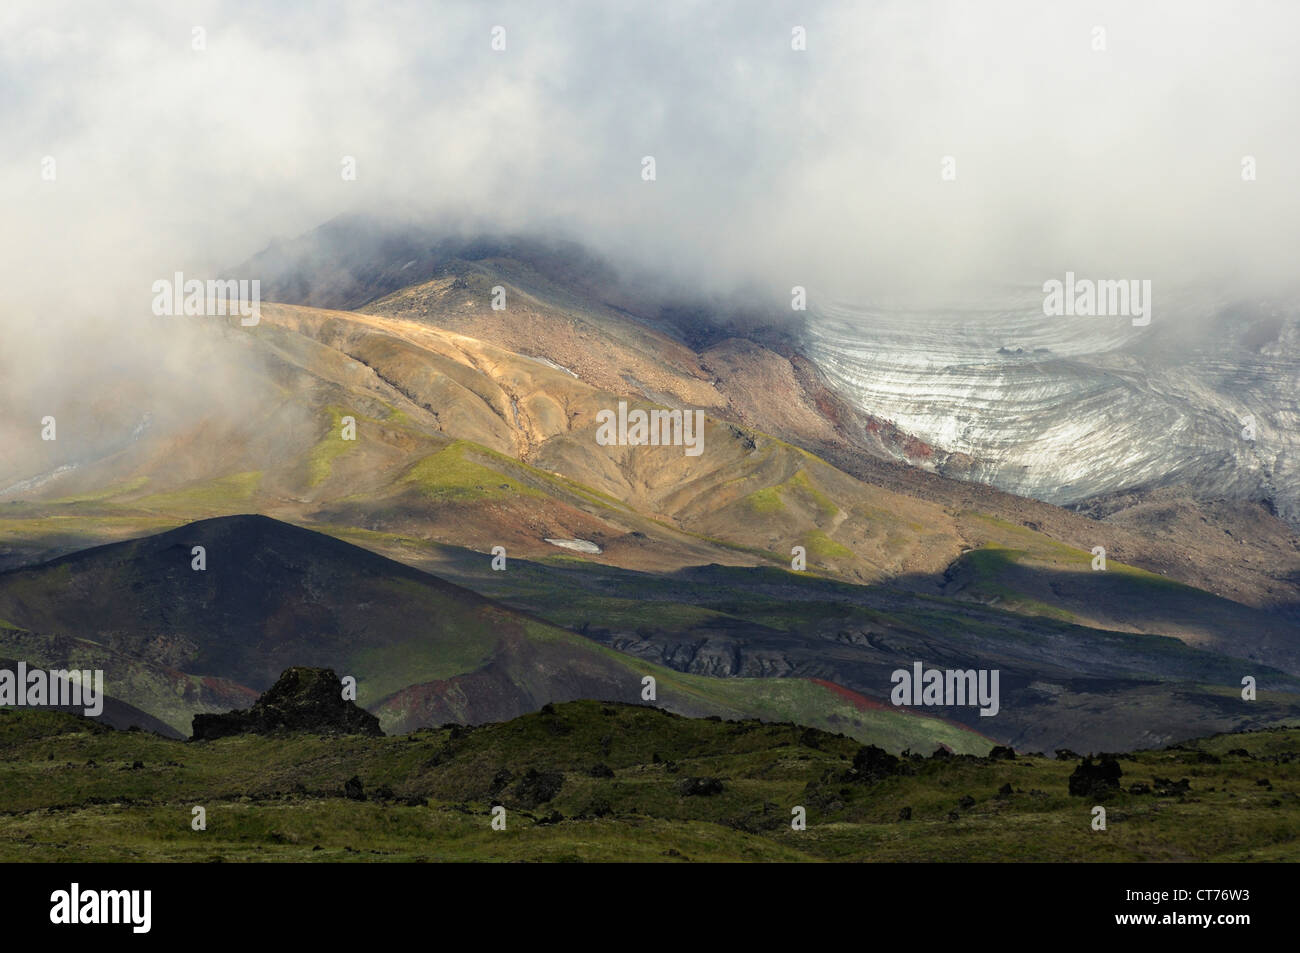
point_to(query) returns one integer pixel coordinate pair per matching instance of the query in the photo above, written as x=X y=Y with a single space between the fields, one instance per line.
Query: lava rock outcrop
x=302 y=699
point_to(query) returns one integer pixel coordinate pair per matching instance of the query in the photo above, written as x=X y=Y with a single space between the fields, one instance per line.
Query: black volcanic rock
x=538 y=787
x=700 y=787
x=302 y=699
x=1164 y=787
x=872 y=763
x=1096 y=779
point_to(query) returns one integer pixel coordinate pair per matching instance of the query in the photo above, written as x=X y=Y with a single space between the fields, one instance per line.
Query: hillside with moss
x=600 y=781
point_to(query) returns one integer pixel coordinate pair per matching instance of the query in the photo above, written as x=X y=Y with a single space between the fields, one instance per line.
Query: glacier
x=1066 y=409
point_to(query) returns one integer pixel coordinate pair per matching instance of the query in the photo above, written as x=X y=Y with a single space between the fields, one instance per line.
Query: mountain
x=982 y=387
x=1195 y=508
x=476 y=432
x=737 y=357
x=462 y=441
x=1062 y=683
x=176 y=641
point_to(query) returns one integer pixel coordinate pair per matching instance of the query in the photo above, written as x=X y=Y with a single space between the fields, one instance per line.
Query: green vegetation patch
x=822 y=546
x=224 y=495
x=454 y=475
x=772 y=499
x=595 y=781
x=320 y=461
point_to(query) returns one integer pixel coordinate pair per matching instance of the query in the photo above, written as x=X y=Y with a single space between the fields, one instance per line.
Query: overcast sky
x=823 y=164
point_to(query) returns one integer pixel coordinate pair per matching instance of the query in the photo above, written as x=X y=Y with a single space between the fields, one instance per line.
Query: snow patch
x=578 y=545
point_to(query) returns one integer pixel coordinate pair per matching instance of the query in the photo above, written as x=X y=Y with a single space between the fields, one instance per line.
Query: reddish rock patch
x=860 y=702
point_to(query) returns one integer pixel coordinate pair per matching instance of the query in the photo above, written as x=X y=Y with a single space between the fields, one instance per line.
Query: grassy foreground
x=591 y=781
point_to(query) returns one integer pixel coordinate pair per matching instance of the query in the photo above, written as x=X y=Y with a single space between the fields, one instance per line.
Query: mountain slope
x=422 y=650
x=627 y=335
